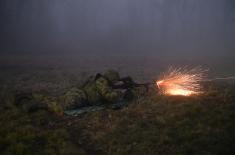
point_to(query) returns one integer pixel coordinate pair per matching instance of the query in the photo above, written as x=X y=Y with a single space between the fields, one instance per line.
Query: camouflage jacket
x=100 y=90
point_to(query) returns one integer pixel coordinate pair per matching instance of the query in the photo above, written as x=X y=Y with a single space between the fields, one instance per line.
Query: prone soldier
x=101 y=89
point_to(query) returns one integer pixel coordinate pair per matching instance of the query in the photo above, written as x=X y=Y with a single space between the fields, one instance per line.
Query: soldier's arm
x=106 y=90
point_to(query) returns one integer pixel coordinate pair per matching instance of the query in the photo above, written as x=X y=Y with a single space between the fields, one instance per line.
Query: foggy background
x=123 y=34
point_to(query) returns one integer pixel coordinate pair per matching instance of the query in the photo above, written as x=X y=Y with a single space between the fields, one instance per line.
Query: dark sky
x=189 y=28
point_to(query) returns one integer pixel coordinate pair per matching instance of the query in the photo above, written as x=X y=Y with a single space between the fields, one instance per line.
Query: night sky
x=179 y=28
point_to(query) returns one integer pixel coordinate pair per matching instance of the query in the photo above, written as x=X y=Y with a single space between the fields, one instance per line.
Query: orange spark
x=181 y=81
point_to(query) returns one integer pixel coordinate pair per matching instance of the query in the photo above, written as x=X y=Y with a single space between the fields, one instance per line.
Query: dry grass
x=153 y=124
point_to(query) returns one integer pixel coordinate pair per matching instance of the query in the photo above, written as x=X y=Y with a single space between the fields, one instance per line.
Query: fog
x=187 y=31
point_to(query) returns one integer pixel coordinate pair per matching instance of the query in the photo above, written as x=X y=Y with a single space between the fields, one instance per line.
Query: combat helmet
x=112 y=75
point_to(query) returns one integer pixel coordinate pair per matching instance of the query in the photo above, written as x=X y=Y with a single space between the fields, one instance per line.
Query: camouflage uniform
x=96 y=91
x=100 y=89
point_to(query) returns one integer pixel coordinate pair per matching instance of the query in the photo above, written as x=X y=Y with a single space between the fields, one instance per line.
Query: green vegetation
x=152 y=124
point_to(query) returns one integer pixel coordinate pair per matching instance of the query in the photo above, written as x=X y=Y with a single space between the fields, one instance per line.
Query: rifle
x=128 y=83
x=146 y=85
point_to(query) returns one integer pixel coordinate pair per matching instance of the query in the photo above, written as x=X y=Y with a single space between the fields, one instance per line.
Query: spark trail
x=182 y=81
x=221 y=78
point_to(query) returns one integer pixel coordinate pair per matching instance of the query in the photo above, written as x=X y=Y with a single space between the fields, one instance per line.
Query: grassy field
x=152 y=124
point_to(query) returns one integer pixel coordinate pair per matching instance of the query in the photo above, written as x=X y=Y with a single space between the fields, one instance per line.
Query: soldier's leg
x=74 y=98
x=29 y=102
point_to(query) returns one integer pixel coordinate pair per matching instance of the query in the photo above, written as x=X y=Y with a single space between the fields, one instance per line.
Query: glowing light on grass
x=182 y=81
